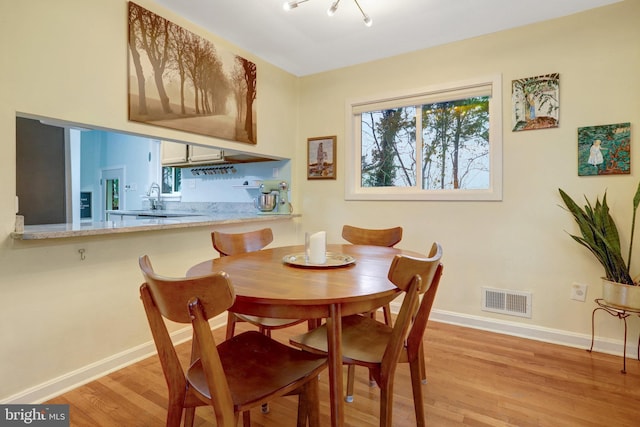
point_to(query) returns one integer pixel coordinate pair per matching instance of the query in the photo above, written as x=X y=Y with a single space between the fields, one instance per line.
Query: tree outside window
x=458 y=139
x=171 y=180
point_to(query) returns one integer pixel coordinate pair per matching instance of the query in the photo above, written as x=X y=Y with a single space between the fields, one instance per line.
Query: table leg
x=638 y=347
x=334 y=337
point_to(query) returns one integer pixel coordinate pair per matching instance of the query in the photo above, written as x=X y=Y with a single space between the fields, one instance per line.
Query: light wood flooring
x=475 y=378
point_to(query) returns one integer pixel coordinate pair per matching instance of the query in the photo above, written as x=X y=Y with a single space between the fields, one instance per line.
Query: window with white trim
x=455 y=128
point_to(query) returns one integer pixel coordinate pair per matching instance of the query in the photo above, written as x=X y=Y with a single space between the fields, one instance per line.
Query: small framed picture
x=536 y=102
x=604 y=149
x=321 y=157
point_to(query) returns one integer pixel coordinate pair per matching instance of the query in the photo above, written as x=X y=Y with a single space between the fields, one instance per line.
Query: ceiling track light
x=292 y=4
x=367 y=20
x=334 y=6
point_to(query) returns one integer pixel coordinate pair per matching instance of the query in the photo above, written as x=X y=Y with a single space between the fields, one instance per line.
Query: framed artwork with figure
x=321 y=157
x=536 y=102
x=604 y=149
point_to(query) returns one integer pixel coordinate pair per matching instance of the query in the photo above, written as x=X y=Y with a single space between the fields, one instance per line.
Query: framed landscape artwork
x=321 y=157
x=536 y=102
x=604 y=150
x=181 y=81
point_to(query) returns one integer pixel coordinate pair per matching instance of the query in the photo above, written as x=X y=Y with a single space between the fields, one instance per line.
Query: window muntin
x=456 y=127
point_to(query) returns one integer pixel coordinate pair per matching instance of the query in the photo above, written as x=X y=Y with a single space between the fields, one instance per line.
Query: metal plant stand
x=620 y=313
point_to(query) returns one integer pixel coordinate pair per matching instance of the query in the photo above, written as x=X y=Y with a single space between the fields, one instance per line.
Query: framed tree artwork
x=182 y=81
x=604 y=149
x=536 y=102
x=321 y=157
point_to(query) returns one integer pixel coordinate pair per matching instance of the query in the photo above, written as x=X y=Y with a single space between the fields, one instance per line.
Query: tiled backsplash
x=228 y=187
x=207 y=207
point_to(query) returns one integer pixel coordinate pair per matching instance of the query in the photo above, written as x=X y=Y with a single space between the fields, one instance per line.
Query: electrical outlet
x=579 y=291
x=275 y=173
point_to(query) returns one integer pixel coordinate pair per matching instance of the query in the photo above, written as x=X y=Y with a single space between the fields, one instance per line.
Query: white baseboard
x=533 y=332
x=57 y=386
x=64 y=383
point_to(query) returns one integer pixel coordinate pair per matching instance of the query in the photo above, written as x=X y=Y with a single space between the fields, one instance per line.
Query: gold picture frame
x=321 y=157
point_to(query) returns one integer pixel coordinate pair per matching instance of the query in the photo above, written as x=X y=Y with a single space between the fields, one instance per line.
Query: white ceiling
x=306 y=40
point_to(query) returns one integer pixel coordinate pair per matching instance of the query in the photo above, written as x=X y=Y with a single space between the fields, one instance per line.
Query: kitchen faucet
x=155 y=203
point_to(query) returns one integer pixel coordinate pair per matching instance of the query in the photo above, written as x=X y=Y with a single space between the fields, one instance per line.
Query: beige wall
x=67 y=60
x=58 y=314
x=518 y=243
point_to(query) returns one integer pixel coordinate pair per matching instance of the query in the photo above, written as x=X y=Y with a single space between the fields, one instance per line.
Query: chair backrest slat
x=404 y=267
x=400 y=329
x=414 y=276
x=421 y=318
x=220 y=393
x=172 y=295
x=239 y=243
x=363 y=236
x=171 y=367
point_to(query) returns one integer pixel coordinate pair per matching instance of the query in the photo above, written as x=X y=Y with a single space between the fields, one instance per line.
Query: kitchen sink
x=148 y=214
x=161 y=214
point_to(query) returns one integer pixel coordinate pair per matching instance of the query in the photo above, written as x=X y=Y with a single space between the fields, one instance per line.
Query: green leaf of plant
x=599 y=235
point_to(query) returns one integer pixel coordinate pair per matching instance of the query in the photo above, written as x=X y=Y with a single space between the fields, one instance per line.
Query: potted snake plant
x=599 y=234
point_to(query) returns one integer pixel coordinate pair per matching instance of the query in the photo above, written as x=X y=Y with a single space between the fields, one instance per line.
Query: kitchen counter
x=126 y=225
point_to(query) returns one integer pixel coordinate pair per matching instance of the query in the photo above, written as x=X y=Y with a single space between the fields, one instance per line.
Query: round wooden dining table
x=273 y=283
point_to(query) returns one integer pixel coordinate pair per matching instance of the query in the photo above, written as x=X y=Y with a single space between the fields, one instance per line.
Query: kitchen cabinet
x=198 y=154
x=173 y=153
x=178 y=154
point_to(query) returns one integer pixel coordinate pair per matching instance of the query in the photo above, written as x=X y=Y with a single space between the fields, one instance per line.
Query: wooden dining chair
x=379 y=347
x=238 y=243
x=388 y=237
x=238 y=374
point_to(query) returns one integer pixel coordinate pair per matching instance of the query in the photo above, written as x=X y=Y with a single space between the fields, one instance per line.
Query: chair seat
x=363 y=340
x=255 y=366
x=268 y=322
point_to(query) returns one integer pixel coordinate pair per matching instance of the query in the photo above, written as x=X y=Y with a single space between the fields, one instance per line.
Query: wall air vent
x=514 y=303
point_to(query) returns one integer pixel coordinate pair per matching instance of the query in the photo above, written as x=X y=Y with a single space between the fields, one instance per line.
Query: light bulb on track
x=292 y=4
x=333 y=8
